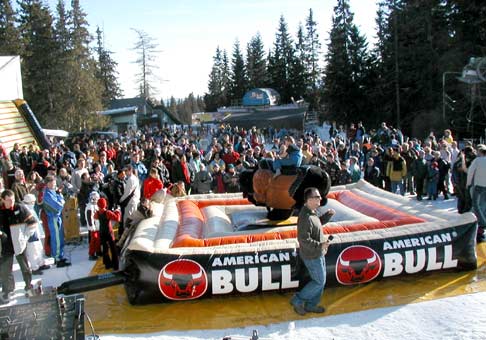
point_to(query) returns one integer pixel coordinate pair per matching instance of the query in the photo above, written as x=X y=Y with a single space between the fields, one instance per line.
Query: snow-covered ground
x=460 y=317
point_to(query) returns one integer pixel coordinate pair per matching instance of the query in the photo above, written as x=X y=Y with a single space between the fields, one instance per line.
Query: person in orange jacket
x=107 y=235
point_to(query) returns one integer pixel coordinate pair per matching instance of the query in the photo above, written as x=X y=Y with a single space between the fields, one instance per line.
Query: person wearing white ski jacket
x=131 y=194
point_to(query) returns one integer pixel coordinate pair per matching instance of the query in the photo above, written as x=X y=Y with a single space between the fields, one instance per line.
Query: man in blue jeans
x=313 y=246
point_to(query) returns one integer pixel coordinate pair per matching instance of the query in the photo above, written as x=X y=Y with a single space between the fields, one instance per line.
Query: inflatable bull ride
x=223 y=244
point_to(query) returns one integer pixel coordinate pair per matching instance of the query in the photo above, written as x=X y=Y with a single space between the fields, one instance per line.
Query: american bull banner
x=153 y=278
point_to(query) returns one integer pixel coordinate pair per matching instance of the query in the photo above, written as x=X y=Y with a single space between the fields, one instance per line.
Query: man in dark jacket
x=409 y=155
x=420 y=172
x=231 y=179
x=372 y=173
x=459 y=179
x=313 y=246
x=202 y=181
x=15 y=219
x=19 y=187
x=15 y=155
x=332 y=168
x=444 y=167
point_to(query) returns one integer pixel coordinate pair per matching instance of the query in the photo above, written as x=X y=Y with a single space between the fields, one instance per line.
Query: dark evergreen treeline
x=184 y=108
x=398 y=80
x=65 y=81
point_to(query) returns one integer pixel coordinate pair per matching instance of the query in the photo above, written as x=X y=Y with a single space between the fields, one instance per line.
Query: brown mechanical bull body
x=284 y=193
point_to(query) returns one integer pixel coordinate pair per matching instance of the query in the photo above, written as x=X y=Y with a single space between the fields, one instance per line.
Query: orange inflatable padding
x=371 y=208
x=191 y=221
x=188 y=241
x=207 y=202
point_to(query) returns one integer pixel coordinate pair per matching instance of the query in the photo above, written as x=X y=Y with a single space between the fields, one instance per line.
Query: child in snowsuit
x=107 y=236
x=93 y=226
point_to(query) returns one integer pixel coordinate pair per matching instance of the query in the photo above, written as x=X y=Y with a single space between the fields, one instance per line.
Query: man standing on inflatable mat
x=313 y=247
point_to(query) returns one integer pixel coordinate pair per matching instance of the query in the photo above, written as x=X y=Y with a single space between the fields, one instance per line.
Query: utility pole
x=445 y=98
x=397 y=78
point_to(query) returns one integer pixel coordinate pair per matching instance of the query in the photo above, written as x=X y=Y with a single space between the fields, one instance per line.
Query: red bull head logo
x=183 y=280
x=357 y=264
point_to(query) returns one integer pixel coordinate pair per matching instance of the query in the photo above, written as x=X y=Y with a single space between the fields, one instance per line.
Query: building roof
x=127 y=102
x=120 y=106
x=121 y=111
x=285 y=118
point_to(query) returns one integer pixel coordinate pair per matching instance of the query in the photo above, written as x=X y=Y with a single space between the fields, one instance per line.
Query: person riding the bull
x=292 y=158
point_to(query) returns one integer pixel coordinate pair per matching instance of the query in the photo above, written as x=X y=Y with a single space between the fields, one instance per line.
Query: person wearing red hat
x=93 y=227
x=107 y=236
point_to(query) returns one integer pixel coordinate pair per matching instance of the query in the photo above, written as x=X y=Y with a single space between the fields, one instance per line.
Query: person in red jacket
x=230 y=156
x=152 y=184
x=107 y=236
x=40 y=186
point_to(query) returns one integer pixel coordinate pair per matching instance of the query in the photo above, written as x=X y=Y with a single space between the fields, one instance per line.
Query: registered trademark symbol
x=454 y=234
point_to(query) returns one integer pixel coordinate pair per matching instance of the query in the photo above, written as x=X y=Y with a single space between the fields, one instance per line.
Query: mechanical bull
x=283 y=193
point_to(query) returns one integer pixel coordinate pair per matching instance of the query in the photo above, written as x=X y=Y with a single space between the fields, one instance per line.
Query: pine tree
x=200 y=104
x=359 y=58
x=9 y=34
x=146 y=49
x=346 y=64
x=238 y=80
x=225 y=80
x=299 y=76
x=466 y=22
x=311 y=61
x=383 y=91
x=212 y=98
x=414 y=41
x=173 y=106
x=338 y=74
x=84 y=88
x=256 y=63
x=193 y=103
x=280 y=61
x=62 y=68
x=106 y=71
x=467 y=28
x=61 y=29
x=35 y=24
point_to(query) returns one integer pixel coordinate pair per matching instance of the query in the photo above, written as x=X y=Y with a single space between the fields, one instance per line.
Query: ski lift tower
x=474 y=74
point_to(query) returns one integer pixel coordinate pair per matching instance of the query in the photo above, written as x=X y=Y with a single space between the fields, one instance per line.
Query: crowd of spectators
x=127 y=171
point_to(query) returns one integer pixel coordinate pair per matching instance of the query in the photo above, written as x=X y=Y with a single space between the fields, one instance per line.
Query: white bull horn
x=373 y=259
x=166 y=275
x=198 y=275
x=343 y=262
